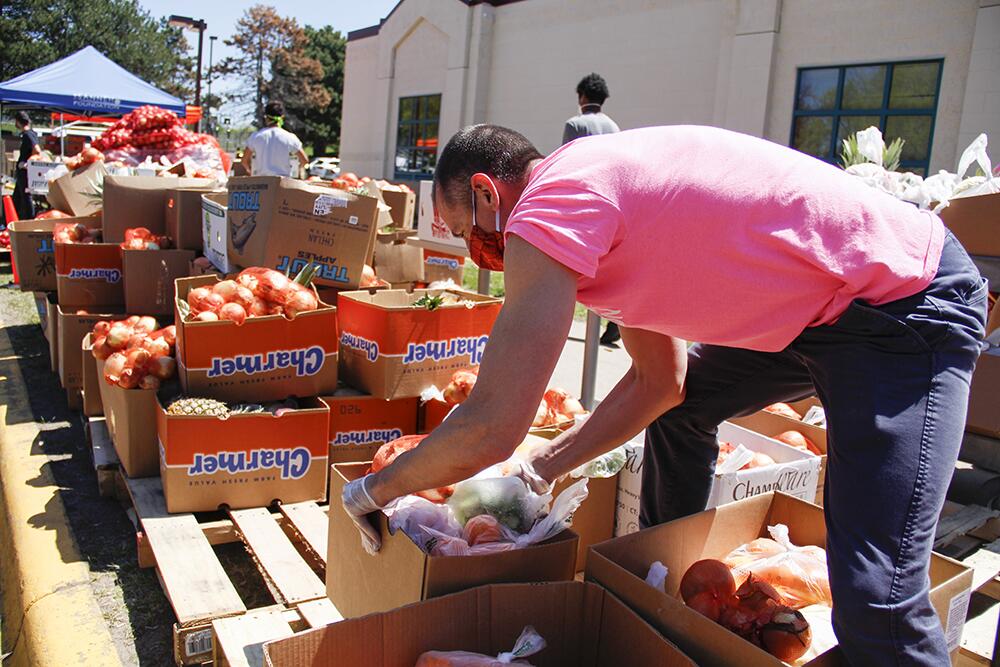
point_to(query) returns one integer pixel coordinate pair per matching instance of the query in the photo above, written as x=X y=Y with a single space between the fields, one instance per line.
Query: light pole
x=211 y=45
x=188 y=23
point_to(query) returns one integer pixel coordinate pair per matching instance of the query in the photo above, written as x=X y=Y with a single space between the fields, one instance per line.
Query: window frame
x=884 y=112
x=417 y=123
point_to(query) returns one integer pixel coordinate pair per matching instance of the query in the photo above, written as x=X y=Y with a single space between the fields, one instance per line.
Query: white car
x=324 y=167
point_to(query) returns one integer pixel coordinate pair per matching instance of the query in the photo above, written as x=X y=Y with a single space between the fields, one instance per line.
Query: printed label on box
x=326 y=203
x=958 y=609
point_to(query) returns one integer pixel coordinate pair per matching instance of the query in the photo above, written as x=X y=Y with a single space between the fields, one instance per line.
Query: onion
x=170 y=334
x=132 y=320
x=248 y=280
x=709 y=575
x=707 y=604
x=787 y=636
x=226 y=289
x=300 y=301
x=799 y=441
x=146 y=324
x=783 y=409
x=196 y=297
x=163 y=367
x=206 y=316
x=157 y=347
x=258 y=308
x=149 y=382
x=118 y=336
x=368 y=277
x=460 y=387
x=100 y=350
x=113 y=367
x=212 y=302
x=136 y=340
x=244 y=297
x=233 y=312
x=482 y=529
x=101 y=328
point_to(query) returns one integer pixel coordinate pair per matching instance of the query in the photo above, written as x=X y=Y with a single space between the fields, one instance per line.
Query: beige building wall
x=981 y=107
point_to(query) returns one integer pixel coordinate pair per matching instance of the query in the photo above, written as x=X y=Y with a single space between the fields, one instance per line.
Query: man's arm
x=570 y=132
x=247 y=159
x=653 y=385
x=522 y=352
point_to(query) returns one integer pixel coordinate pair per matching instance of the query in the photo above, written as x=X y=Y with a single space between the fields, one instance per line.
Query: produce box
x=392 y=348
x=78 y=192
x=149 y=277
x=432 y=413
x=621 y=566
x=795 y=472
x=182 y=213
x=140 y=201
x=431 y=228
x=360 y=424
x=402 y=207
x=975 y=221
x=215 y=231
x=131 y=418
x=38 y=176
x=34 y=250
x=396 y=261
x=91 y=390
x=264 y=359
x=582 y=624
x=89 y=275
x=286 y=224
x=73 y=326
x=983 y=416
x=993 y=323
x=400 y=573
x=438 y=266
x=242 y=460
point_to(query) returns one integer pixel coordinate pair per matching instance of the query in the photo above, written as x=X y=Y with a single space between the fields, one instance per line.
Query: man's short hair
x=490 y=149
x=275 y=108
x=21 y=117
x=594 y=88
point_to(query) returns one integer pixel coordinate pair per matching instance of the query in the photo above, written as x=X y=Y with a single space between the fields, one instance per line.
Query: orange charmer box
x=360 y=424
x=244 y=460
x=264 y=359
x=393 y=347
x=89 y=274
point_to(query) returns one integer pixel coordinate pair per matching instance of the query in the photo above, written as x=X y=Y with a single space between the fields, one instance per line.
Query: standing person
x=30 y=149
x=591 y=93
x=795 y=275
x=269 y=150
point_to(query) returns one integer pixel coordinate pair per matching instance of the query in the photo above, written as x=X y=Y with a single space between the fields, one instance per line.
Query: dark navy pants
x=895 y=383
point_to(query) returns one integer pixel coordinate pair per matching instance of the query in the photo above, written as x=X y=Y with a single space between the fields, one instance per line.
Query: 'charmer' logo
x=790 y=481
x=305 y=361
x=443 y=261
x=438 y=350
x=367 y=437
x=293 y=463
x=369 y=347
x=107 y=275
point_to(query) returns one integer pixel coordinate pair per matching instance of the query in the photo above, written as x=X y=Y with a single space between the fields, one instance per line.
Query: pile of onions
x=759 y=459
x=558 y=405
x=255 y=292
x=140 y=238
x=68 y=232
x=88 y=155
x=136 y=354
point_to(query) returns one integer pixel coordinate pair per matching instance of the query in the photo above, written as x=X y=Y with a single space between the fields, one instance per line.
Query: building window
x=417 y=136
x=832 y=103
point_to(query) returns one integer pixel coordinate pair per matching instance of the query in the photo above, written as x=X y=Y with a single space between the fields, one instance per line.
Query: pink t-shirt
x=718 y=237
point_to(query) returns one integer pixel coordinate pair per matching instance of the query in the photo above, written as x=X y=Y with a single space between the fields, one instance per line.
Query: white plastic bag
x=871 y=145
x=657 y=576
x=604 y=466
x=735 y=461
x=529 y=643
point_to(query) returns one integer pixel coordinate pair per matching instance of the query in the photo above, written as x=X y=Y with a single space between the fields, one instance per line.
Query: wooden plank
x=103 y=449
x=312 y=525
x=968 y=518
x=981 y=451
x=960 y=547
x=967 y=658
x=979 y=633
x=279 y=562
x=239 y=640
x=985 y=567
x=318 y=613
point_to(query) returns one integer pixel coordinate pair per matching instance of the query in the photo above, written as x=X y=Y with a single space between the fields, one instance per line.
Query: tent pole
x=3 y=149
x=62 y=136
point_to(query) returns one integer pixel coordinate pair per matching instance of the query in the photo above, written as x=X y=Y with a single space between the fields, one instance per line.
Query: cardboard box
x=286 y=224
x=391 y=349
x=402 y=207
x=991 y=325
x=594 y=520
x=400 y=573
x=431 y=228
x=52 y=332
x=582 y=625
x=74 y=399
x=73 y=327
x=264 y=359
x=983 y=417
x=79 y=192
x=431 y=414
x=90 y=390
x=360 y=424
x=34 y=250
x=131 y=418
x=795 y=473
x=215 y=231
x=621 y=566
x=140 y=201
x=38 y=176
x=397 y=261
x=182 y=213
x=89 y=275
x=439 y=266
x=975 y=221
x=244 y=460
x=149 y=277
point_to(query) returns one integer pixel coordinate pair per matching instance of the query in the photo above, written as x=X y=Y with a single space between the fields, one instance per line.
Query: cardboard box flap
x=397 y=299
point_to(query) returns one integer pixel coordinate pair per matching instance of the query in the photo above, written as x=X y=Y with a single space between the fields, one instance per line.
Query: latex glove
x=359 y=505
x=524 y=471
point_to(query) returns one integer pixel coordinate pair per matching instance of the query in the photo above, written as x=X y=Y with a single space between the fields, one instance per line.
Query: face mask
x=486 y=248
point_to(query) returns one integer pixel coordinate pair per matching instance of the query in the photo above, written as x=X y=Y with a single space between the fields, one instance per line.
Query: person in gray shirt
x=592 y=91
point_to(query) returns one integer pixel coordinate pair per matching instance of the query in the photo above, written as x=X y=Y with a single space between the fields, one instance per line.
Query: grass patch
x=470 y=281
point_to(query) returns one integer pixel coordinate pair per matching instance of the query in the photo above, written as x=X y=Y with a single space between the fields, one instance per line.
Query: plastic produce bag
x=657 y=576
x=799 y=574
x=529 y=643
x=604 y=466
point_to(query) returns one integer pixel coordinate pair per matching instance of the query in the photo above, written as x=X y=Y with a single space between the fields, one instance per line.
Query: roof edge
x=373 y=30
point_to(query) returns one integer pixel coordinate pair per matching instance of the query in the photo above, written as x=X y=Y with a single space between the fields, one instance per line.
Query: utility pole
x=260 y=82
x=188 y=23
x=211 y=45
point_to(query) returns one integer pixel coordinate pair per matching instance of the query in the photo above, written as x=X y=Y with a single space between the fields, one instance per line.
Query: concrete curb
x=50 y=614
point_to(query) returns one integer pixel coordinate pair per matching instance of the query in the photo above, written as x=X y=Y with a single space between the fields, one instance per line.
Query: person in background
x=29 y=149
x=269 y=150
x=591 y=93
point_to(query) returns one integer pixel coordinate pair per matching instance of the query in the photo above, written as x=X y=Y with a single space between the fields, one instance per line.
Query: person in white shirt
x=269 y=150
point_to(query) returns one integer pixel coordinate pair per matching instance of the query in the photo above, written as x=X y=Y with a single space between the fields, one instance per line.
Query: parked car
x=324 y=167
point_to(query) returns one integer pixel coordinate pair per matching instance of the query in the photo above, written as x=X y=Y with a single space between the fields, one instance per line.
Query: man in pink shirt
x=793 y=277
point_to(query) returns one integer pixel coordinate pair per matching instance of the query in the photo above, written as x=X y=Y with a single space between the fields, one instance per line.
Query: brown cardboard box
x=149 y=277
x=360 y=424
x=582 y=625
x=994 y=322
x=983 y=416
x=139 y=201
x=286 y=224
x=131 y=420
x=396 y=261
x=400 y=573
x=976 y=223
x=402 y=207
x=89 y=275
x=215 y=231
x=72 y=329
x=74 y=399
x=183 y=217
x=621 y=565
x=52 y=333
x=78 y=192
x=244 y=460
x=34 y=250
x=440 y=266
x=393 y=349
x=91 y=390
x=594 y=520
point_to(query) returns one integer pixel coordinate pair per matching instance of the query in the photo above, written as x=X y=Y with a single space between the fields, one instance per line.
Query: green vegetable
x=430 y=302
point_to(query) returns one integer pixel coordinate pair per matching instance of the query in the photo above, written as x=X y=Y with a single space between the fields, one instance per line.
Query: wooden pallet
x=110 y=483
x=213 y=623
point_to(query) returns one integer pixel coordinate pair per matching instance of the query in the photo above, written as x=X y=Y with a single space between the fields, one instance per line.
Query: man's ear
x=483 y=184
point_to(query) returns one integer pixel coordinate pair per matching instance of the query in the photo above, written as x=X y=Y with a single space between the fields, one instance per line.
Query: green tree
x=321 y=123
x=297 y=79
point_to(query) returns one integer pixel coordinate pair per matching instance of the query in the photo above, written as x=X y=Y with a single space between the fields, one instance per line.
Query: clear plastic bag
x=799 y=574
x=657 y=576
x=529 y=643
x=604 y=466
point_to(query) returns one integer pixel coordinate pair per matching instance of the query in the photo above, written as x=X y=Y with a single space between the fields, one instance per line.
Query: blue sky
x=221 y=17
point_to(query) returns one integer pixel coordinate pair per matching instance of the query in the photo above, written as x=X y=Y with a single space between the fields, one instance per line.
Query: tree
x=298 y=78
x=321 y=122
x=37 y=32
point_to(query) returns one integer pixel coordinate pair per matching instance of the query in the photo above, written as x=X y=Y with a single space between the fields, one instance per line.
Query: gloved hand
x=359 y=505
x=524 y=471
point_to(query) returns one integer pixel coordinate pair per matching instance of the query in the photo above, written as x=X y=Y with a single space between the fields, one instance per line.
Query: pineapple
x=198 y=407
